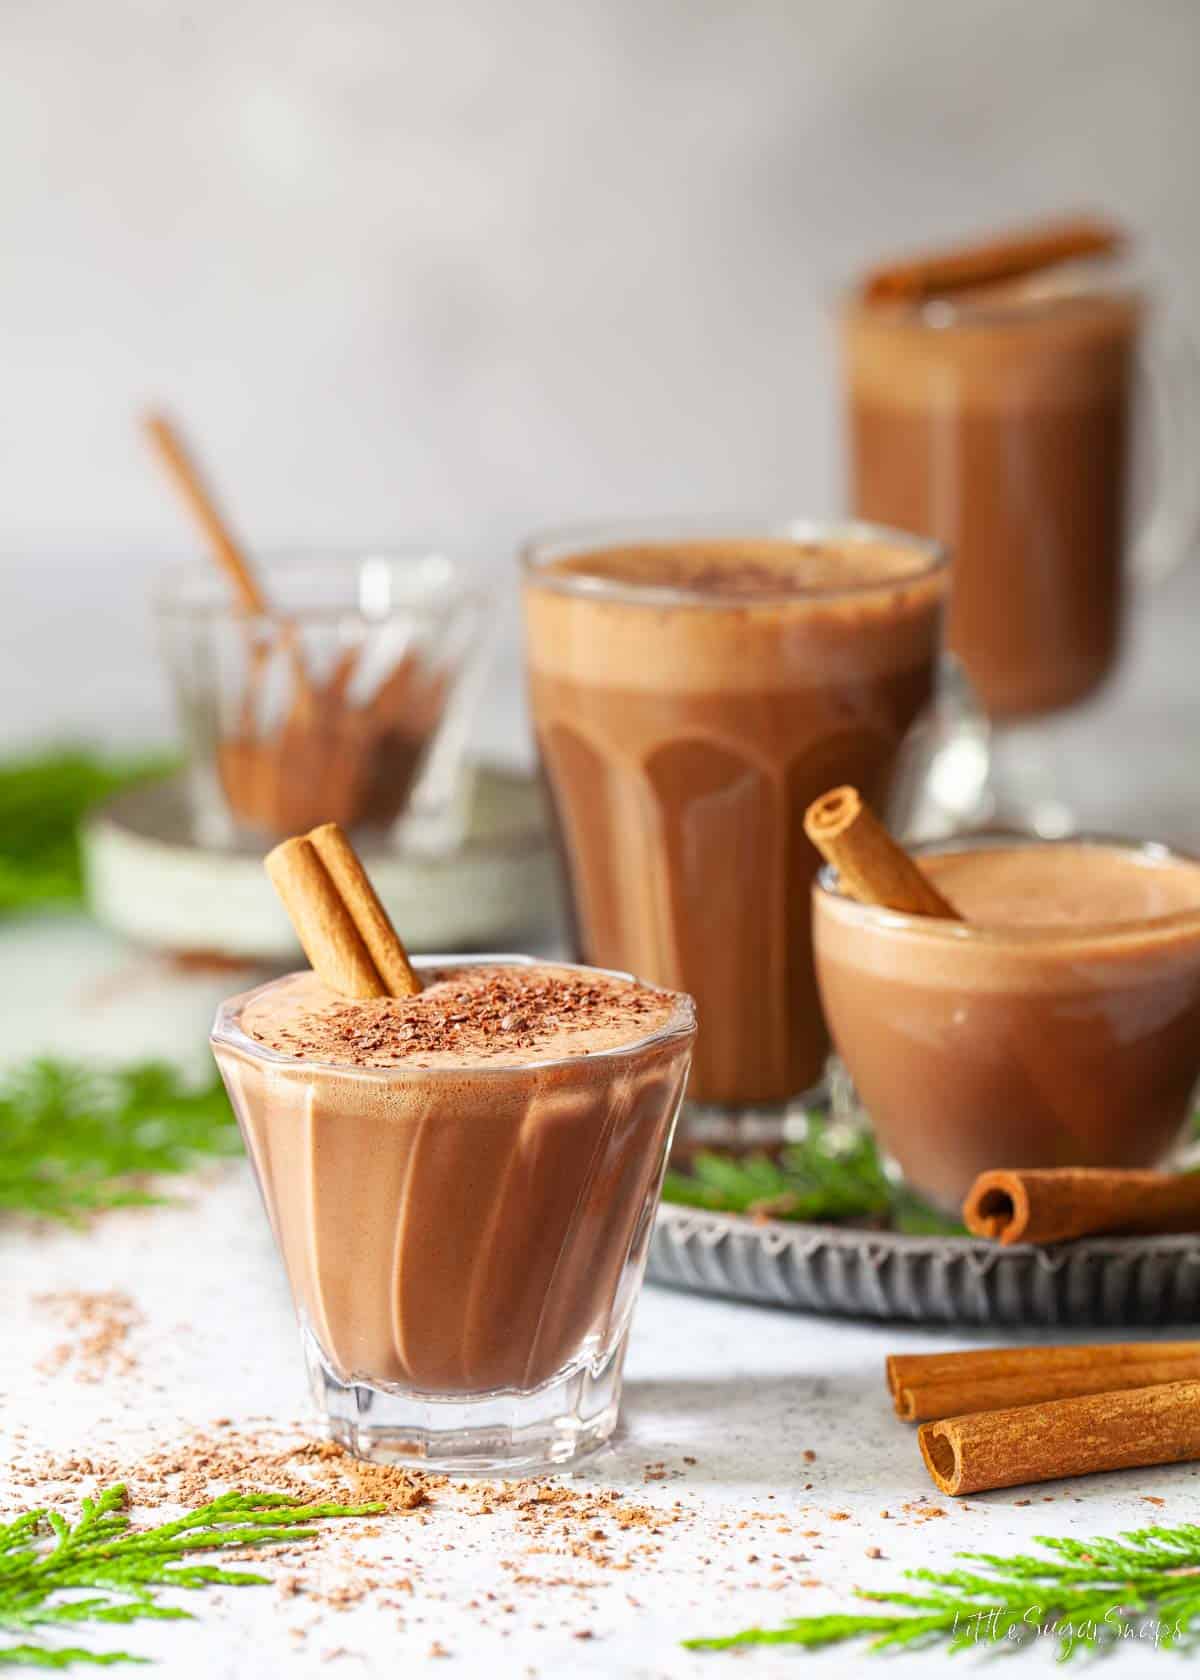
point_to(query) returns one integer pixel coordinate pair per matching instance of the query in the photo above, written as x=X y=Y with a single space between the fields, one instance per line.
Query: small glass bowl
x=348 y=702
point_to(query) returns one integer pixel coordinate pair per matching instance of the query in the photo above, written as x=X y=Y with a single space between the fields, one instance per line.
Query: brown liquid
x=332 y=760
x=682 y=743
x=1076 y=1045
x=473 y=1217
x=1006 y=437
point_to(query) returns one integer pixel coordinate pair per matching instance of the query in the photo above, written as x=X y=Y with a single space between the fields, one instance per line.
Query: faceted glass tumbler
x=464 y=1244
x=684 y=728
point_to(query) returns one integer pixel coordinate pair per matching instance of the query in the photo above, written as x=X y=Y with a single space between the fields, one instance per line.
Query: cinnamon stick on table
x=903 y=1368
x=1040 y=1443
x=1057 y=1204
x=992 y=1379
x=339 y=921
x=988 y=262
x=871 y=866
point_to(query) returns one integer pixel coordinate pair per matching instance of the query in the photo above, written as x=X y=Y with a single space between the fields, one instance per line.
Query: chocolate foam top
x=751 y=612
x=1053 y=358
x=498 y=1015
x=1063 y=885
x=1056 y=916
x=746 y=569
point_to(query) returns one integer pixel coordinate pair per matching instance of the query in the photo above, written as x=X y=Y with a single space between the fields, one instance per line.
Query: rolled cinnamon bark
x=367 y=913
x=1041 y=1443
x=186 y=476
x=324 y=926
x=871 y=866
x=1056 y=1204
x=920 y=1402
x=344 y=929
x=922 y=1370
x=987 y=263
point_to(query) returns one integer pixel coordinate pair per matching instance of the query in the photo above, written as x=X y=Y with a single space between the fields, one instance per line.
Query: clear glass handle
x=1168 y=533
x=942 y=775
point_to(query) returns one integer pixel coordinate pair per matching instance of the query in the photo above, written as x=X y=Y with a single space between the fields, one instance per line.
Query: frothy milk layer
x=896 y=359
x=1074 y=911
x=1063 y=885
x=744 y=569
x=749 y=612
x=496 y=1015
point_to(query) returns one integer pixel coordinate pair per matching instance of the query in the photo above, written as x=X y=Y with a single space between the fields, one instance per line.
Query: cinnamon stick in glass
x=922 y=1398
x=1041 y=1443
x=989 y=262
x=353 y=885
x=871 y=866
x=229 y=554
x=337 y=916
x=1058 y=1204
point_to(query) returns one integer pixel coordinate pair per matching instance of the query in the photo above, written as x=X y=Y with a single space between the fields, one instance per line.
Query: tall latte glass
x=694 y=687
x=1002 y=421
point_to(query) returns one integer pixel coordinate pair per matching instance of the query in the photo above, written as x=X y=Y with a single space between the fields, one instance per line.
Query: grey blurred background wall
x=451 y=271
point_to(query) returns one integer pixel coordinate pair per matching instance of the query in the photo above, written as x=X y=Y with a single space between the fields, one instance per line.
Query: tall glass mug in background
x=999 y=420
x=694 y=686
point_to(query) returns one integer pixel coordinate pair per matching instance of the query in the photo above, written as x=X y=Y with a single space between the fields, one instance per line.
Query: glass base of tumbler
x=746 y=1126
x=547 y=1429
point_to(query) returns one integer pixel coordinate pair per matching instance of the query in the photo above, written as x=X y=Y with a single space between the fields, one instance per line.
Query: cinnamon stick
x=339 y=921
x=871 y=866
x=324 y=926
x=906 y=1369
x=185 y=475
x=1058 y=1204
x=1041 y=1443
x=374 y=926
x=988 y=262
x=943 y=1397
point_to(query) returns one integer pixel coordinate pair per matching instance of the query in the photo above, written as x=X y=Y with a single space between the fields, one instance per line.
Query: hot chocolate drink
x=999 y=423
x=1058 y=1025
x=690 y=698
x=462 y=1184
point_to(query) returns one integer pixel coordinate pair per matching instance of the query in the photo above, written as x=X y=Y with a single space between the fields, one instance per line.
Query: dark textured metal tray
x=952 y=1280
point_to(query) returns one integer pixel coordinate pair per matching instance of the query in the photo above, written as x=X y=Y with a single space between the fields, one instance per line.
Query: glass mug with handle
x=694 y=685
x=1001 y=421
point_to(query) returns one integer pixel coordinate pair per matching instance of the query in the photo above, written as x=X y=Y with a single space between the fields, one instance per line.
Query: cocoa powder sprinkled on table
x=100 y=1323
x=202 y=1465
x=540 y=1537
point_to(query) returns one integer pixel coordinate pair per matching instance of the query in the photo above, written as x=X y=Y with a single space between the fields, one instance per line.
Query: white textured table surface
x=726 y=1400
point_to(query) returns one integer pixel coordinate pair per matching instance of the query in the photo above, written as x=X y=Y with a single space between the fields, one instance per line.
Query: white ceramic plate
x=149 y=878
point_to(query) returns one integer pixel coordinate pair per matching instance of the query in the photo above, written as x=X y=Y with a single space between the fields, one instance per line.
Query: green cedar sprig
x=1087 y=1595
x=826 y=1176
x=43 y=797
x=47 y=1562
x=75 y=1139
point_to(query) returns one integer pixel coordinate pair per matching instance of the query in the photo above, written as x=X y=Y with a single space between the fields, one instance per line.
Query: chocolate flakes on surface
x=499 y=1014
